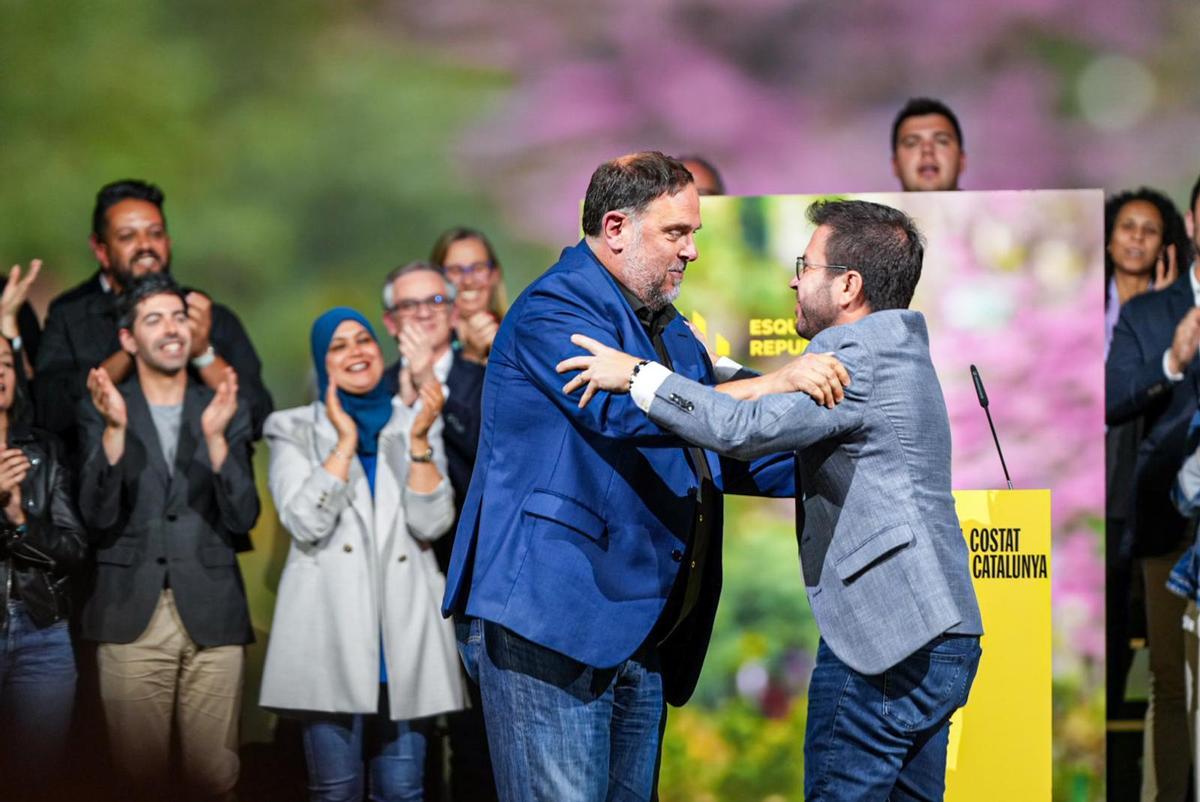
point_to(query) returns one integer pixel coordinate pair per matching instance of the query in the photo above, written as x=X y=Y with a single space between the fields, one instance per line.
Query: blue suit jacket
x=576 y=520
x=1135 y=387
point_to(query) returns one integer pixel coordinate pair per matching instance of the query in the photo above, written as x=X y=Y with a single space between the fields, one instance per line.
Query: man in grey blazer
x=883 y=558
x=165 y=488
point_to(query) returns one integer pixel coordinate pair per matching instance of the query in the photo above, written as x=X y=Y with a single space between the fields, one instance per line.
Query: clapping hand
x=220 y=410
x=417 y=364
x=199 y=312
x=14 y=466
x=107 y=398
x=432 y=400
x=476 y=334
x=343 y=424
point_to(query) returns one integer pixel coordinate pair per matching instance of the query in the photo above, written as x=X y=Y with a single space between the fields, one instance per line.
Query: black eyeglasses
x=803 y=264
x=409 y=306
x=459 y=272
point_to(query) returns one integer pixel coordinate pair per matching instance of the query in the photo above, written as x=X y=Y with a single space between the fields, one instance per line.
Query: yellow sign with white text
x=1000 y=744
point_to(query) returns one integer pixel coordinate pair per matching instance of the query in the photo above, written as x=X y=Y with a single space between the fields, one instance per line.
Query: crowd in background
x=126 y=492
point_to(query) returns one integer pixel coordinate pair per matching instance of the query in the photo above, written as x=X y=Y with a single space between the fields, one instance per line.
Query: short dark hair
x=145 y=287
x=1192 y=200
x=919 y=107
x=879 y=243
x=707 y=165
x=629 y=184
x=1174 y=230
x=112 y=194
x=389 y=300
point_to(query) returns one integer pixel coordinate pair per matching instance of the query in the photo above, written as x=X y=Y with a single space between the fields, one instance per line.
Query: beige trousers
x=161 y=678
x=1166 y=751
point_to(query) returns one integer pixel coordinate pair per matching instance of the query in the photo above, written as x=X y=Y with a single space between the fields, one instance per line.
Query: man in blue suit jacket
x=587 y=559
x=884 y=560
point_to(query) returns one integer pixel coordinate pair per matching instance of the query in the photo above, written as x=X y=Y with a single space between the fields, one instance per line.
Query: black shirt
x=688 y=581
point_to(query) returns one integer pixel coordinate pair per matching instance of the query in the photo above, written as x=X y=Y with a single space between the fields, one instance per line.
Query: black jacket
x=1136 y=389
x=152 y=527
x=35 y=561
x=81 y=332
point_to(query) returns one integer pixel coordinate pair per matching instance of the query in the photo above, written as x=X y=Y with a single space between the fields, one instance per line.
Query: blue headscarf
x=370 y=411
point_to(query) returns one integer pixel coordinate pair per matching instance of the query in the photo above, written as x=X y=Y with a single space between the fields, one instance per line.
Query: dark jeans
x=37 y=692
x=338 y=746
x=883 y=737
x=561 y=731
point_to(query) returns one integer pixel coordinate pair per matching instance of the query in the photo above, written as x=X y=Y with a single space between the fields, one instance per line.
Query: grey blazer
x=884 y=560
x=149 y=525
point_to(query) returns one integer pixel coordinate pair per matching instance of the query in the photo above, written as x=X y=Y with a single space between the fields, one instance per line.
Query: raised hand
x=220 y=410
x=432 y=400
x=476 y=334
x=417 y=351
x=1185 y=342
x=1166 y=269
x=14 y=466
x=343 y=424
x=821 y=376
x=107 y=398
x=16 y=291
x=606 y=369
x=199 y=310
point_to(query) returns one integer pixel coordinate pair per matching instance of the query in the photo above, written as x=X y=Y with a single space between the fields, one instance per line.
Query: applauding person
x=358 y=648
x=166 y=486
x=470 y=264
x=40 y=539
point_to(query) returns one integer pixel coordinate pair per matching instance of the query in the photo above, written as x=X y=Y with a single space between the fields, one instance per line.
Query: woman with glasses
x=359 y=649
x=470 y=263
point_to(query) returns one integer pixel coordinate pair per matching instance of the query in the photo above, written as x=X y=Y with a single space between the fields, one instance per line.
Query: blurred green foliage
x=304 y=151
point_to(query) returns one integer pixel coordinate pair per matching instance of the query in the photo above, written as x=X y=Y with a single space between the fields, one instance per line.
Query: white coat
x=358 y=568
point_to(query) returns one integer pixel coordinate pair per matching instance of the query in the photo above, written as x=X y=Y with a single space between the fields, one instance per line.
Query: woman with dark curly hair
x=1145 y=241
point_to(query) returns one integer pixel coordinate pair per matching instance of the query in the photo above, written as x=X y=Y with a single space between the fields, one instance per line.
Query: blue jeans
x=37 y=692
x=883 y=737
x=336 y=746
x=561 y=731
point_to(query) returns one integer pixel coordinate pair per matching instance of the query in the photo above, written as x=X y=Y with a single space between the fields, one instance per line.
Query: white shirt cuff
x=1175 y=377
x=726 y=368
x=646 y=383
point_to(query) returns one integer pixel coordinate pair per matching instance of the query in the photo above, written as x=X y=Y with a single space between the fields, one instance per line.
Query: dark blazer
x=150 y=527
x=460 y=435
x=81 y=332
x=1135 y=387
x=576 y=520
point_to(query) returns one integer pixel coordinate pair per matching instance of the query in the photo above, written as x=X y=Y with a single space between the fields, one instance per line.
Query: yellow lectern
x=1000 y=741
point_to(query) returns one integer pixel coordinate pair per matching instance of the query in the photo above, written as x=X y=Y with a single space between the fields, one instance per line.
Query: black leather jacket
x=35 y=559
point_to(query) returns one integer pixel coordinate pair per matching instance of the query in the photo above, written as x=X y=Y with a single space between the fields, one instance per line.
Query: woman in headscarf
x=358 y=648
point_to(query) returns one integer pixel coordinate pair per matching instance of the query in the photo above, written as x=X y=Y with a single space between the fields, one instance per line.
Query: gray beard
x=643 y=284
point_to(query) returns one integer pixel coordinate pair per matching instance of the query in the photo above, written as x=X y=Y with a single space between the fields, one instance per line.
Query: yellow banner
x=1000 y=741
